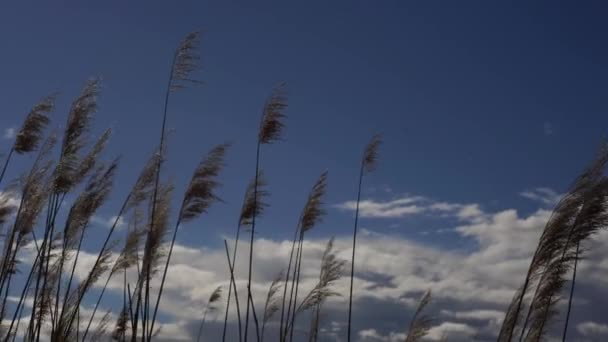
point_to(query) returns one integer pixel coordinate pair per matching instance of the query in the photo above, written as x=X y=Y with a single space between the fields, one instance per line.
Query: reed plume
x=312 y=214
x=199 y=196
x=101 y=330
x=216 y=295
x=32 y=130
x=270 y=130
x=554 y=237
x=186 y=61
x=75 y=137
x=253 y=205
x=368 y=164
x=332 y=269
x=592 y=216
x=273 y=116
x=273 y=302
x=420 y=324
x=127 y=258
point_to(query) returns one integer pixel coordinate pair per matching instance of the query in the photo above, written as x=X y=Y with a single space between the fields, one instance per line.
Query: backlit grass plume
x=312 y=214
x=76 y=136
x=32 y=131
x=368 y=164
x=273 y=302
x=273 y=115
x=556 y=235
x=332 y=269
x=216 y=295
x=199 y=196
x=421 y=323
x=185 y=62
x=253 y=205
x=270 y=130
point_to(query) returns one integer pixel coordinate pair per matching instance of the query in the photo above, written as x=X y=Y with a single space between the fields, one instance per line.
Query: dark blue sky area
x=477 y=101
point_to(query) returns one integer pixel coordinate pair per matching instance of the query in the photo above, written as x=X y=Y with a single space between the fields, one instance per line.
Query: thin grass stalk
x=6 y=162
x=32 y=182
x=157 y=183
x=368 y=164
x=183 y=63
x=215 y=296
x=293 y=245
x=352 y=259
x=236 y=296
x=44 y=265
x=69 y=287
x=297 y=284
x=198 y=198
x=103 y=290
x=200 y=329
x=155 y=194
x=255 y=193
x=576 y=257
x=293 y=280
x=24 y=291
x=252 y=205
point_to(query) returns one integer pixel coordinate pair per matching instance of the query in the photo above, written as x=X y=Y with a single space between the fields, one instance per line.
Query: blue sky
x=477 y=101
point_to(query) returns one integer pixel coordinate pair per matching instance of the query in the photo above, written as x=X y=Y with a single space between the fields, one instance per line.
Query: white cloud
x=451 y=330
x=109 y=221
x=545 y=196
x=471 y=288
x=411 y=205
x=9 y=133
x=592 y=329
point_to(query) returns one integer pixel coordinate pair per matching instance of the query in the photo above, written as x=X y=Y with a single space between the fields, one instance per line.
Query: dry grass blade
x=253 y=203
x=370 y=156
x=201 y=191
x=421 y=324
x=313 y=210
x=75 y=136
x=186 y=61
x=273 y=116
x=33 y=127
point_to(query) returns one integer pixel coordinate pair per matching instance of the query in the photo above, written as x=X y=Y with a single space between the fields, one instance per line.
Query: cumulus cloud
x=108 y=221
x=592 y=329
x=471 y=287
x=408 y=205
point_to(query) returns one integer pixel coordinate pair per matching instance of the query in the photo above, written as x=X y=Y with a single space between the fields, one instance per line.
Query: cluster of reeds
x=72 y=175
x=582 y=212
